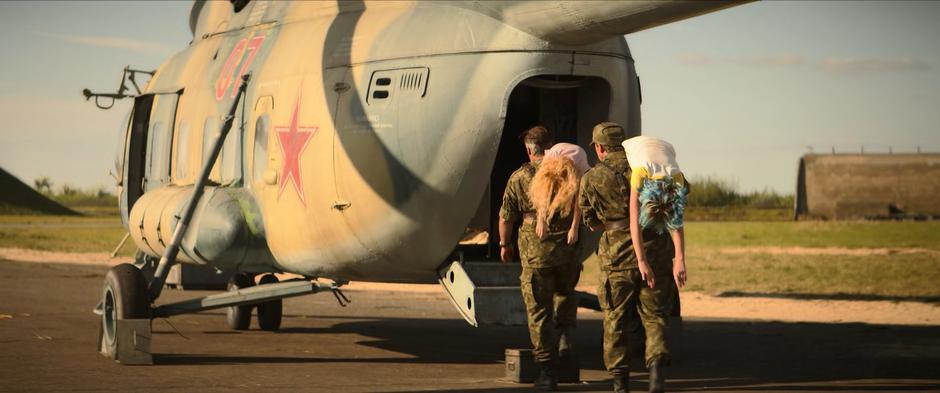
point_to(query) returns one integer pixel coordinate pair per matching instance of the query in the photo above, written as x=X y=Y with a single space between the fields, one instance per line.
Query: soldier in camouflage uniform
x=550 y=269
x=623 y=286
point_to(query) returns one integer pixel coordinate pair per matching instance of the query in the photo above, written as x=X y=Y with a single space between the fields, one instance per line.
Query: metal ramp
x=484 y=292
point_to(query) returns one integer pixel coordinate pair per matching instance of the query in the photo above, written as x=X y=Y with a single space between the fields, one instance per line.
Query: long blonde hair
x=554 y=187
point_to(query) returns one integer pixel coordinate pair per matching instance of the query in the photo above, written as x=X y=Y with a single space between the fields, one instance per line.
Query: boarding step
x=484 y=292
x=488 y=293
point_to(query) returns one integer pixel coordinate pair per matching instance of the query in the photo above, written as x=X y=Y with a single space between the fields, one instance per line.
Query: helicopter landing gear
x=125 y=316
x=270 y=312
x=239 y=317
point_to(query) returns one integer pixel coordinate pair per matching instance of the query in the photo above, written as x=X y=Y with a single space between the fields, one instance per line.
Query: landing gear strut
x=269 y=313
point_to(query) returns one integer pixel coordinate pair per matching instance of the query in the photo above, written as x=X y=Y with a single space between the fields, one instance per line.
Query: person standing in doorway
x=549 y=267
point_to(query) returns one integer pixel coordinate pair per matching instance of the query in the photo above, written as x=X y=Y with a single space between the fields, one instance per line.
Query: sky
x=742 y=93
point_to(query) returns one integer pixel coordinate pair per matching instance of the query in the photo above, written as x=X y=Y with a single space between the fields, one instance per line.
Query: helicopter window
x=380 y=94
x=260 y=148
x=238 y=5
x=208 y=138
x=639 y=89
x=231 y=157
x=182 y=151
x=157 y=162
x=383 y=81
x=123 y=132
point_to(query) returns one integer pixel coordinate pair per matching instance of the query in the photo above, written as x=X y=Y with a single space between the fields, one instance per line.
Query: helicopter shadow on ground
x=430 y=341
x=714 y=355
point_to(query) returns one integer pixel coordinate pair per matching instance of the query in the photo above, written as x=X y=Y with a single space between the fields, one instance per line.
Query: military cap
x=538 y=135
x=608 y=134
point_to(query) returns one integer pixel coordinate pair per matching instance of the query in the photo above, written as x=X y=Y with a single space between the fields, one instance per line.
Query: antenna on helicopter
x=129 y=74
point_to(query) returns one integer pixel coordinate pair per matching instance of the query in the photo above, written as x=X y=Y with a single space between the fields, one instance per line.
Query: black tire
x=269 y=313
x=124 y=296
x=239 y=317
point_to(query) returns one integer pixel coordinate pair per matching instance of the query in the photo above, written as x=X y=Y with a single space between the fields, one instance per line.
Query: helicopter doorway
x=568 y=106
x=136 y=152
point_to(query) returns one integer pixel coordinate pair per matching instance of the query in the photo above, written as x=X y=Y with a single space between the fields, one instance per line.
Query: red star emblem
x=293 y=140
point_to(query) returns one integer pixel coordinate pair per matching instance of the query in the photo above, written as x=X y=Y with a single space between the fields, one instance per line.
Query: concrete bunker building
x=868 y=186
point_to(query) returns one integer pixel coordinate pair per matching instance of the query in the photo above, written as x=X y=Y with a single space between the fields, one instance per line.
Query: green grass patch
x=113 y=220
x=902 y=275
x=62 y=233
x=894 y=276
x=100 y=211
x=876 y=276
x=849 y=234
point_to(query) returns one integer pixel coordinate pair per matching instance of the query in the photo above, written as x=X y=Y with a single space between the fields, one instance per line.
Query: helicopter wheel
x=125 y=296
x=239 y=317
x=269 y=313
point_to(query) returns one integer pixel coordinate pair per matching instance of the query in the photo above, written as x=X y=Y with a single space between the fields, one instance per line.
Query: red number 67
x=227 y=76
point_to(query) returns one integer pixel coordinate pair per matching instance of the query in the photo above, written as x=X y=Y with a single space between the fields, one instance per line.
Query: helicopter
x=354 y=141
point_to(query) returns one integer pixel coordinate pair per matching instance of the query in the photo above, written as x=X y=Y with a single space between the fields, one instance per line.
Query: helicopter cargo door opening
x=147 y=146
x=568 y=106
x=162 y=127
x=136 y=152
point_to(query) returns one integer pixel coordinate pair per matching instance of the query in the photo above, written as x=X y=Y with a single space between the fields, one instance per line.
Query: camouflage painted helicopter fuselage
x=368 y=133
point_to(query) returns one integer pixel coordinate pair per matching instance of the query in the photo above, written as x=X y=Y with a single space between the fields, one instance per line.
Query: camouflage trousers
x=552 y=309
x=623 y=295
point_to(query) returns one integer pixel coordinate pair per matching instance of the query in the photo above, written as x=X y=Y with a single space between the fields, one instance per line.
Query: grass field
x=850 y=234
x=63 y=233
x=894 y=277
x=814 y=259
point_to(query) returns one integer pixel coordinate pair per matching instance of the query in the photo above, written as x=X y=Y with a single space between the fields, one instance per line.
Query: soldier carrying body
x=626 y=283
x=550 y=269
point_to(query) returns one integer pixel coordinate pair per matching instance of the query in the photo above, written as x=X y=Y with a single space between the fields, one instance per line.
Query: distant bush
x=711 y=191
x=714 y=192
x=71 y=196
x=768 y=199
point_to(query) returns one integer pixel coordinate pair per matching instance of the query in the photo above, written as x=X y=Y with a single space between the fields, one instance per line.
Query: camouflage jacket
x=517 y=207
x=604 y=198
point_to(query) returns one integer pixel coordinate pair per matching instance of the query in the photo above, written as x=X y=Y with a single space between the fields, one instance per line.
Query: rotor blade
x=584 y=22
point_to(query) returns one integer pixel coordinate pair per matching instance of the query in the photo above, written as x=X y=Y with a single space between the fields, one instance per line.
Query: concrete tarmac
x=394 y=341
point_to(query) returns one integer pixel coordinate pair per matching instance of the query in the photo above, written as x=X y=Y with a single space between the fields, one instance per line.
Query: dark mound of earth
x=18 y=198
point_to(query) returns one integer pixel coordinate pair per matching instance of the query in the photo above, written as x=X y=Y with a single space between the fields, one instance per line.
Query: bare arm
x=575 y=224
x=678 y=240
x=678 y=263
x=636 y=234
x=505 y=237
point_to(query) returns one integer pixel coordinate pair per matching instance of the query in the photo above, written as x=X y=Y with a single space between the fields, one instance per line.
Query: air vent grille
x=404 y=83
x=411 y=80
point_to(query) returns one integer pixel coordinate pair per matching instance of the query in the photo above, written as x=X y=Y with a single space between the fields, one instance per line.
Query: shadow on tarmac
x=714 y=355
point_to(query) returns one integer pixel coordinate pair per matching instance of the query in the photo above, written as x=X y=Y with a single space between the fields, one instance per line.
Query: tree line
x=712 y=191
x=69 y=195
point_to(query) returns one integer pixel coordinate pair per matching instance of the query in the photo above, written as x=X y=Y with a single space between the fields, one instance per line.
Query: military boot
x=621 y=383
x=657 y=379
x=548 y=377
